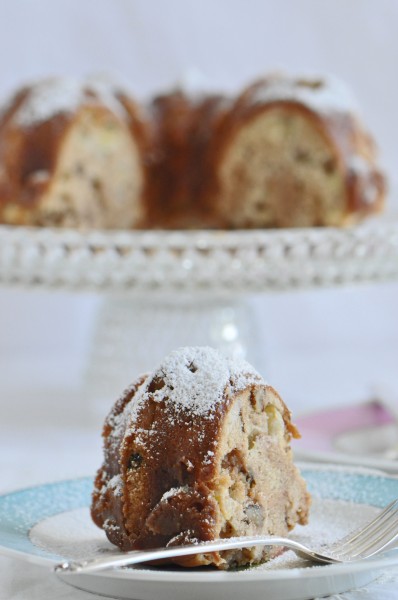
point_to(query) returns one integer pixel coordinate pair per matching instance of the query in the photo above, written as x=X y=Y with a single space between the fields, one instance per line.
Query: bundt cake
x=72 y=155
x=292 y=153
x=285 y=153
x=196 y=451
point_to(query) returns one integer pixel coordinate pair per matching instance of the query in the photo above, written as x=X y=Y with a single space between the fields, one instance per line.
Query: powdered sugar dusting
x=330 y=520
x=57 y=95
x=106 y=89
x=48 y=98
x=116 y=484
x=118 y=419
x=324 y=94
x=363 y=170
x=195 y=378
x=110 y=525
x=174 y=492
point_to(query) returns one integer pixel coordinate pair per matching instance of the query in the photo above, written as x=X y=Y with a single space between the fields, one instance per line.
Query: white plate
x=51 y=523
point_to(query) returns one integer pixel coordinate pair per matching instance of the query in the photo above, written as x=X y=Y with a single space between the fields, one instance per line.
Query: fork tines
x=365 y=542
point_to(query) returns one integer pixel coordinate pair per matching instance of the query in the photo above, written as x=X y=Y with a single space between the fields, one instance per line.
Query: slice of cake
x=292 y=153
x=196 y=451
x=72 y=154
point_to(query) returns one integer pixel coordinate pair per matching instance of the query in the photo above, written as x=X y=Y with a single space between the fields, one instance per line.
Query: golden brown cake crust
x=161 y=472
x=33 y=129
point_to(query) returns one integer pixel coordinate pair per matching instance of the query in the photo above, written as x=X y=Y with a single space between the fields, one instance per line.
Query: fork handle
x=119 y=559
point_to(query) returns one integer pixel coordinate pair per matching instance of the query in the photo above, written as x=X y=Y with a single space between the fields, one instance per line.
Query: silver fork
x=363 y=543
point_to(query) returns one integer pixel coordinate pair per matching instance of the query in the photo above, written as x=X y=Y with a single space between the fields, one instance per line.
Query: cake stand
x=164 y=289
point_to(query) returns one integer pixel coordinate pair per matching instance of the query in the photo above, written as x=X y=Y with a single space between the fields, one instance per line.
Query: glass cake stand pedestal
x=161 y=290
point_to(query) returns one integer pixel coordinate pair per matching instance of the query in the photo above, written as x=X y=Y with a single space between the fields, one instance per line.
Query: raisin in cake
x=72 y=154
x=199 y=450
x=292 y=153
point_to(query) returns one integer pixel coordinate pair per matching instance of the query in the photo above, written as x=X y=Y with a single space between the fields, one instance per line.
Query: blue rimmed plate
x=51 y=523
